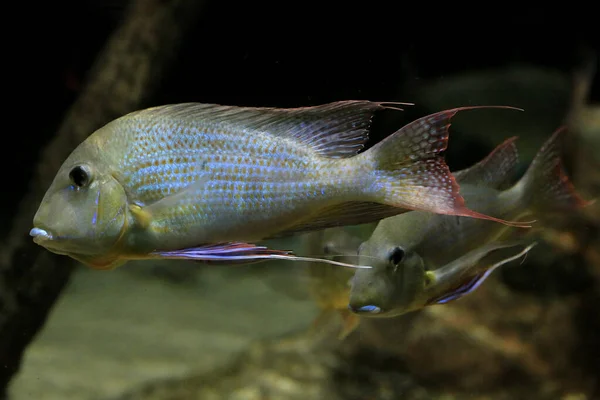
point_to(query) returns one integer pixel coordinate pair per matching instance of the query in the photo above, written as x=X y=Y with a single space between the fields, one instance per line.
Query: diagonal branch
x=123 y=78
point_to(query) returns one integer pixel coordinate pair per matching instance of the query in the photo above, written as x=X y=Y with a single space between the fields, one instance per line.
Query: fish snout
x=40 y=235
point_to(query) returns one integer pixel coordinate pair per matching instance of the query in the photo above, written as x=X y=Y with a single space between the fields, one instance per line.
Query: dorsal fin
x=495 y=169
x=335 y=130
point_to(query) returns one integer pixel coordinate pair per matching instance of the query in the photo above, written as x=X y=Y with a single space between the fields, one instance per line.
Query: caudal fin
x=494 y=170
x=411 y=174
x=545 y=187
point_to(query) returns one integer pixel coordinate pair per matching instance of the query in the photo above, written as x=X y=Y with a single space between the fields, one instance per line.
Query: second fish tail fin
x=545 y=187
x=411 y=174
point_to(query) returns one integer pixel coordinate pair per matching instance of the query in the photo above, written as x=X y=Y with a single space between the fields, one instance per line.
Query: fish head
x=393 y=284
x=84 y=213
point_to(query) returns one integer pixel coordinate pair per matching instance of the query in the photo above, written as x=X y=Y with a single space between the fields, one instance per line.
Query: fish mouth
x=40 y=235
x=47 y=240
x=366 y=309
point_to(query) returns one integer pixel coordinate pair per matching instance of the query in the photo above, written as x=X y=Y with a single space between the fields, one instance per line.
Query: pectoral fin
x=467 y=273
x=464 y=289
x=182 y=197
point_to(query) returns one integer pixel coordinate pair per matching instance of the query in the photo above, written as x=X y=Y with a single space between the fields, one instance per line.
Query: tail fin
x=411 y=174
x=545 y=187
x=494 y=170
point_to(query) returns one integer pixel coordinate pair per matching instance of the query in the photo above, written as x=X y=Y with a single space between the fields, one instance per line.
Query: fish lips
x=366 y=309
x=40 y=235
x=45 y=238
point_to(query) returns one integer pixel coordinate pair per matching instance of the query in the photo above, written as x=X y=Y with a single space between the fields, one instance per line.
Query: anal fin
x=343 y=214
x=350 y=322
x=467 y=273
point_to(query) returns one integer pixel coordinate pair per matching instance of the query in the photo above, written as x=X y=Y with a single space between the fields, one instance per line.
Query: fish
x=420 y=259
x=205 y=182
x=328 y=286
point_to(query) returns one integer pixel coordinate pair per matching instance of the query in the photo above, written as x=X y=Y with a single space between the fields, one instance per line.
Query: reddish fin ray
x=467 y=212
x=546 y=184
x=415 y=177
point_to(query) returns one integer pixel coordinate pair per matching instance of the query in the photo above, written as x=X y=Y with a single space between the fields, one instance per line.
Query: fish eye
x=80 y=176
x=397 y=255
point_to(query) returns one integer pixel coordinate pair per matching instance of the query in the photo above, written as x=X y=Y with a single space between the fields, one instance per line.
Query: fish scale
x=278 y=180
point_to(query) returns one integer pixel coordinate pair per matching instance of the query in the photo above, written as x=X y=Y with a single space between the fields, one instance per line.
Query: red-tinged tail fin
x=411 y=174
x=545 y=187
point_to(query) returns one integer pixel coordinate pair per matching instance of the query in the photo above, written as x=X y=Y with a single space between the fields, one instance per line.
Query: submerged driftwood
x=123 y=79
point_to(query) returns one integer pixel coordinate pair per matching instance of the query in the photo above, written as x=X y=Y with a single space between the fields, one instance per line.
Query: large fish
x=204 y=181
x=419 y=259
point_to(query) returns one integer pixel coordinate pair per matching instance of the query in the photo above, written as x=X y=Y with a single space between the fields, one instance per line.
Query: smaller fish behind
x=329 y=286
x=420 y=258
x=325 y=285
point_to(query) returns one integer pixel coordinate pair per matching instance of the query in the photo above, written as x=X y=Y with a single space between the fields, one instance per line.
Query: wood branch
x=124 y=77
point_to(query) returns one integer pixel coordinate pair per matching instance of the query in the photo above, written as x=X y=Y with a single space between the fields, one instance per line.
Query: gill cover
x=83 y=214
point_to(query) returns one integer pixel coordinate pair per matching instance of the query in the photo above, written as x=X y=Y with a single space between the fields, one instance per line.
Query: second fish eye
x=397 y=255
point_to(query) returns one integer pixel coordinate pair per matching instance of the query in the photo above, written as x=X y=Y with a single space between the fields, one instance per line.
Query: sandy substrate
x=112 y=331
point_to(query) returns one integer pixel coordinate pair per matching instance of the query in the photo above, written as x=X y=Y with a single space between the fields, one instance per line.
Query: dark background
x=291 y=54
